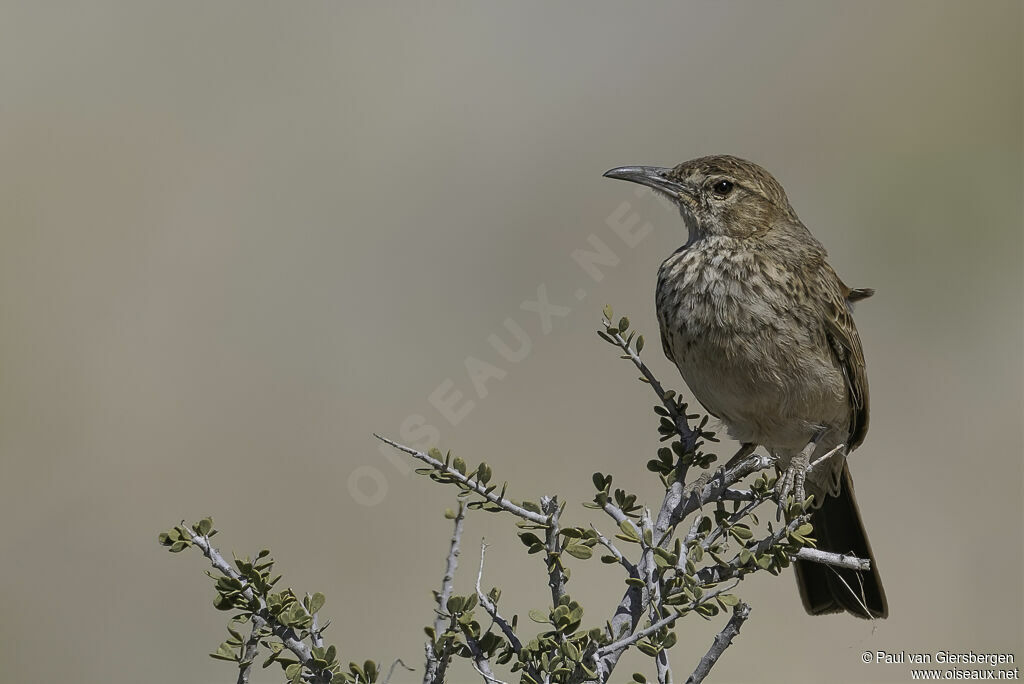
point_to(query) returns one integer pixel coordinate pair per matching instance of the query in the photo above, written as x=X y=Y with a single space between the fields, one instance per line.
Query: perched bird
x=761 y=329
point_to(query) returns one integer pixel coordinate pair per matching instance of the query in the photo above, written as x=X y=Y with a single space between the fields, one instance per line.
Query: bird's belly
x=764 y=369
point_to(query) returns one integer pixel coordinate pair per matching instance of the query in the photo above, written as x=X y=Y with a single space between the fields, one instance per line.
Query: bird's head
x=718 y=195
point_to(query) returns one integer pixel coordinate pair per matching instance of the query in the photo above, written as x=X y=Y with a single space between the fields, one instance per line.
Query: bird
x=761 y=329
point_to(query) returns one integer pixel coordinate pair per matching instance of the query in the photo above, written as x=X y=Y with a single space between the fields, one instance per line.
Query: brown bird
x=761 y=329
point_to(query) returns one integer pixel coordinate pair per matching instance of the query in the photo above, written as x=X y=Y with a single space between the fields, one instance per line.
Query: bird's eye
x=722 y=187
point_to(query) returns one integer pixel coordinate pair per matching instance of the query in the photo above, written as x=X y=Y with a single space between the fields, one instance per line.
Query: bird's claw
x=791 y=482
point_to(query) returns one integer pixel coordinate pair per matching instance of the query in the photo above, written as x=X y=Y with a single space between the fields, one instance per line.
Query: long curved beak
x=654 y=177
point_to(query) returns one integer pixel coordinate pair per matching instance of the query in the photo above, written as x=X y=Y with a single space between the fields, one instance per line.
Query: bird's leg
x=792 y=480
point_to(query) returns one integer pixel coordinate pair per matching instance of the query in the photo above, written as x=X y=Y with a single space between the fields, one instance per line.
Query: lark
x=761 y=329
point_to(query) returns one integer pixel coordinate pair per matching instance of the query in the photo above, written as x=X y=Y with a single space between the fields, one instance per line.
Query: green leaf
x=607 y=311
x=316 y=602
x=225 y=652
x=539 y=616
x=204 y=526
x=579 y=551
x=741 y=531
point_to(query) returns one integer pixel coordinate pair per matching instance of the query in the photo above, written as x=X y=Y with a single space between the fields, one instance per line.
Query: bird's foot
x=792 y=480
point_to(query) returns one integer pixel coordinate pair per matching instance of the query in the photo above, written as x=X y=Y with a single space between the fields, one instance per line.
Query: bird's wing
x=846 y=349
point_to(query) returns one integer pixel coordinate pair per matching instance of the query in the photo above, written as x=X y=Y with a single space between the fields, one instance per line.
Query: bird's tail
x=829 y=589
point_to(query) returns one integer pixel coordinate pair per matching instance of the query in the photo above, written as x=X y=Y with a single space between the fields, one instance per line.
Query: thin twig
x=552 y=544
x=478 y=487
x=713 y=574
x=687 y=434
x=451 y=565
x=624 y=643
x=286 y=634
x=315 y=633
x=437 y=664
x=491 y=609
x=839 y=560
x=722 y=641
x=484 y=670
x=391 y=670
x=606 y=543
x=251 y=649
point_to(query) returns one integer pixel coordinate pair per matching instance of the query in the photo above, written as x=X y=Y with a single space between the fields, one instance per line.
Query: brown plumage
x=761 y=329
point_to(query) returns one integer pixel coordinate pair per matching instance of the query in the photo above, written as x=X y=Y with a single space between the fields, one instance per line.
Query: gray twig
x=839 y=560
x=286 y=634
x=391 y=670
x=437 y=664
x=624 y=643
x=686 y=434
x=252 y=645
x=491 y=609
x=606 y=543
x=467 y=481
x=556 y=578
x=722 y=641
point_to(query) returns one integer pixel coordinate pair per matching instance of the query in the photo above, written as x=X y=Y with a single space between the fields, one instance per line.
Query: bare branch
x=840 y=560
x=451 y=564
x=686 y=434
x=722 y=641
x=491 y=609
x=287 y=635
x=626 y=642
x=697 y=497
x=467 y=481
x=714 y=574
x=252 y=645
x=483 y=668
x=437 y=664
x=315 y=633
x=556 y=578
x=606 y=543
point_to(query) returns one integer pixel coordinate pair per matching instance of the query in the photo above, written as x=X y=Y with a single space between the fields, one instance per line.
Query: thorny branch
x=468 y=482
x=287 y=635
x=437 y=664
x=722 y=641
x=681 y=500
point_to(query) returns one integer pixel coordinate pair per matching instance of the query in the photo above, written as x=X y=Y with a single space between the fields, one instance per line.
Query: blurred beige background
x=237 y=237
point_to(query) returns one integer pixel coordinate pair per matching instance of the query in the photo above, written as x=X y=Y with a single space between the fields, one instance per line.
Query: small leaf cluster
x=247 y=586
x=610 y=331
x=564 y=652
x=464 y=629
x=576 y=541
x=480 y=475
x=177 y=539
x=622 y=499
